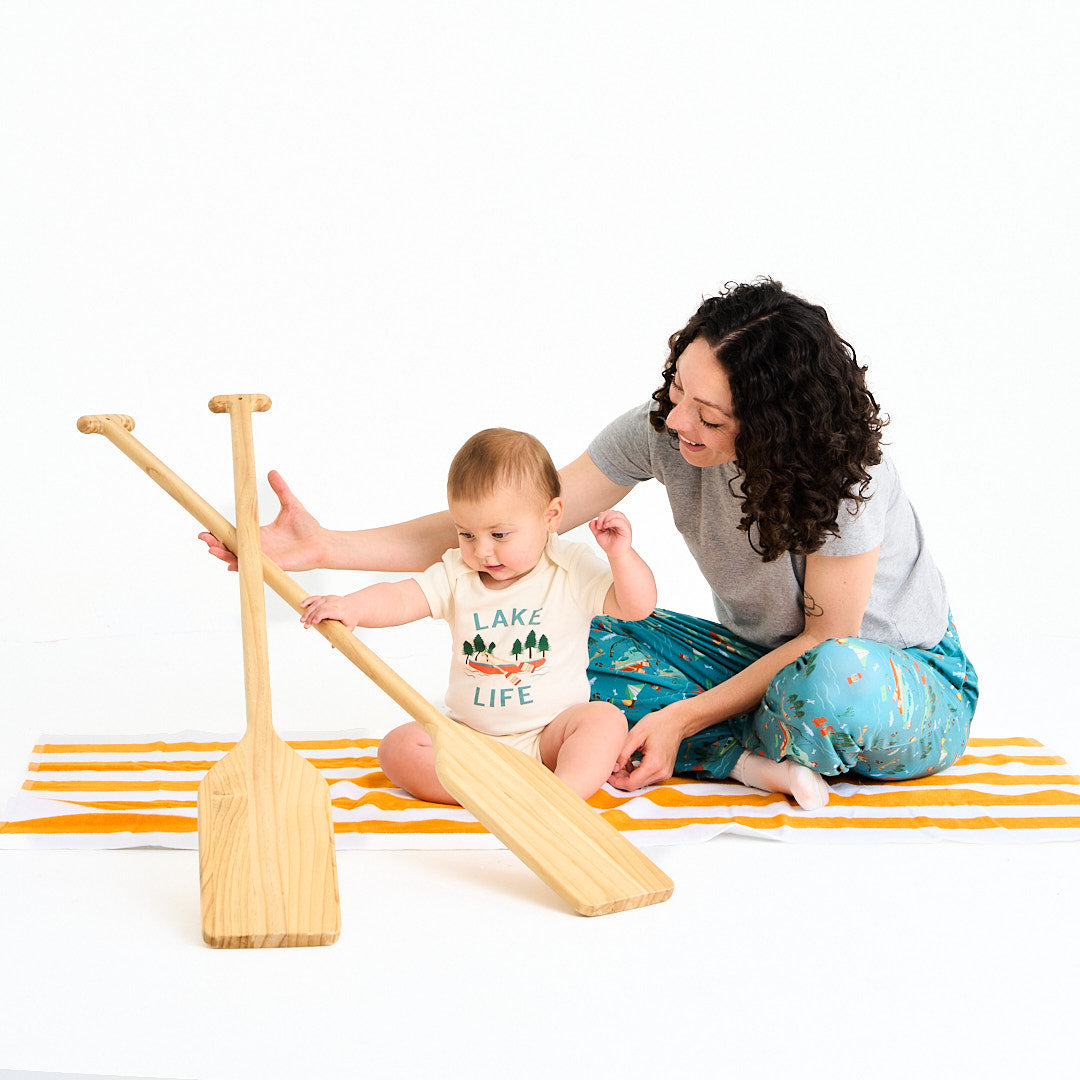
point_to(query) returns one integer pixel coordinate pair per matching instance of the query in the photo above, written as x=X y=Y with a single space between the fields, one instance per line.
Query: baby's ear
x=554 y=514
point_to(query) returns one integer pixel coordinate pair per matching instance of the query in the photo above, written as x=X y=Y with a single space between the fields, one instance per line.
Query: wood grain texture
x=566 y=843
x=267 y=865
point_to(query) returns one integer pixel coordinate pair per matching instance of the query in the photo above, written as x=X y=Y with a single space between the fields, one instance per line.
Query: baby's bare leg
x=408 y=759
x=582 y=744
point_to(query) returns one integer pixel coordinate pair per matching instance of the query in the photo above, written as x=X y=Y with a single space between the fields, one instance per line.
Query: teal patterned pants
x=848 y=705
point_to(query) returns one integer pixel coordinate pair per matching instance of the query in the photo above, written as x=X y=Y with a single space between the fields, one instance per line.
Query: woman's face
x=702 y=414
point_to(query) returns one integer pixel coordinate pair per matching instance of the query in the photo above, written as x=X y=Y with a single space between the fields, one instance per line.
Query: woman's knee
x=823 y=708
x=875 y=709
x=834 y=670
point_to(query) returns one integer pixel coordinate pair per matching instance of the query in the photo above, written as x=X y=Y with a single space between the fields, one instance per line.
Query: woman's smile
x=702 y=414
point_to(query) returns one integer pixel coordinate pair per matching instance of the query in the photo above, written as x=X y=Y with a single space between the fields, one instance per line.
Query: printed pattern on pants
x=848 y=705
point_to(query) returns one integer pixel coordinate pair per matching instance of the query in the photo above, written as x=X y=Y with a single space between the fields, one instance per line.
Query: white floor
x=941 y=959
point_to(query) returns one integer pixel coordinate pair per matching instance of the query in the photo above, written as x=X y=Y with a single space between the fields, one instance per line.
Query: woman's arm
x=835 y=594
x=296 y=541
x=586 y=492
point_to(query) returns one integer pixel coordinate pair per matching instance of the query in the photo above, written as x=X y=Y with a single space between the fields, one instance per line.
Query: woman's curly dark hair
x=808 y=425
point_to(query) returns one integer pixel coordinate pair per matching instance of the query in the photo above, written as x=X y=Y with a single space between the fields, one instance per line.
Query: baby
x=519 y=602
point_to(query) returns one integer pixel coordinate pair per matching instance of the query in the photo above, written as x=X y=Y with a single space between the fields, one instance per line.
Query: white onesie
x=520 y=654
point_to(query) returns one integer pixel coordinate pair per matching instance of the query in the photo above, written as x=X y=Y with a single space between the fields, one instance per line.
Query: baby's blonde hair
x=497 y=459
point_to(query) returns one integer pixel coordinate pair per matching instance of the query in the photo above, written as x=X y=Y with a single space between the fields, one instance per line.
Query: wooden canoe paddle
x=267 y=865
x=562 y=839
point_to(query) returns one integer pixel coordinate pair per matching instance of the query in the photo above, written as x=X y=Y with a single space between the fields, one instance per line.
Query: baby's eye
x=465 y=535
x=500 y=535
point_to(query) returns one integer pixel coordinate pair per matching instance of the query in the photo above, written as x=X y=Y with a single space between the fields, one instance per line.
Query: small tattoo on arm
x=811 y=606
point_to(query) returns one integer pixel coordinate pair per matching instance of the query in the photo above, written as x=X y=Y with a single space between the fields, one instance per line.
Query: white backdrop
x=407 y=221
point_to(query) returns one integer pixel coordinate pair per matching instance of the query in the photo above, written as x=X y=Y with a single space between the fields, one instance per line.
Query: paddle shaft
x=249 y=559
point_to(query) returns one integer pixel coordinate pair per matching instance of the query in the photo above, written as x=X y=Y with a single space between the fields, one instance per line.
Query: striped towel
x=116 y=794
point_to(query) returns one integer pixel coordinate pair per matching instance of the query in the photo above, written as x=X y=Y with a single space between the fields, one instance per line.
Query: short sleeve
x=436 y=584
x=593 y=579
x=623 y=450
x=589 y=576
x=862 y=523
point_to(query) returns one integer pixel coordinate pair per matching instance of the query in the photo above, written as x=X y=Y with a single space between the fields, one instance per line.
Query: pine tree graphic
x=543 y=644
x=530 y=642
x=518 y=648
x=467 y=649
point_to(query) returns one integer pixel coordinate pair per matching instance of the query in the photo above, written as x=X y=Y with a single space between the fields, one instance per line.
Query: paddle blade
x=267 y=866
x=562 y=839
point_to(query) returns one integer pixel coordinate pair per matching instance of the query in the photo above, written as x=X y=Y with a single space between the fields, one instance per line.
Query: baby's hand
x=612 y=532
x=348 y=610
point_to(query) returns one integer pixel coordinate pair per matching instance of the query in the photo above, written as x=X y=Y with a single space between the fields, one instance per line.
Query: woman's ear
x=553 y=515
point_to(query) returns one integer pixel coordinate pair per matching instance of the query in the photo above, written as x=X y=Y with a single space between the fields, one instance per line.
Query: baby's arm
x=633 y=592
x=389 y=603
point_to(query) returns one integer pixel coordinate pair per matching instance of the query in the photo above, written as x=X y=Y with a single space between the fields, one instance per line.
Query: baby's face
x=503 y=535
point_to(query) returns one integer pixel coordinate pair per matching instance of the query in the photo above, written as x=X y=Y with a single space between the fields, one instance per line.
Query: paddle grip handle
x=239 y=403
x=95 y=424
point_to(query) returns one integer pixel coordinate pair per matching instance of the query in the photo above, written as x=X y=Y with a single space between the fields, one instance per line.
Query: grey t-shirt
x=762 y=602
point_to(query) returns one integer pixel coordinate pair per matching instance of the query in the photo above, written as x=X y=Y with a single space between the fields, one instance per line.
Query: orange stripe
x=104 y=823
x=110 y=785
x=150 y=804
x=120 y=766
x=1009 y=759
x=166 y=765
x=383 y=800
x=1000 y=779
x=201 y=747
x=134 y=748
x=1015 y=741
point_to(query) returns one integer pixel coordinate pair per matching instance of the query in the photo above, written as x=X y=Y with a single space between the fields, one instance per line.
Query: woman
x=834 y=649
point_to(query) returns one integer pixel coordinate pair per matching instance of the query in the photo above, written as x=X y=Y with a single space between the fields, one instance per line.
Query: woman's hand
x=653 y=743
x=294 y=539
